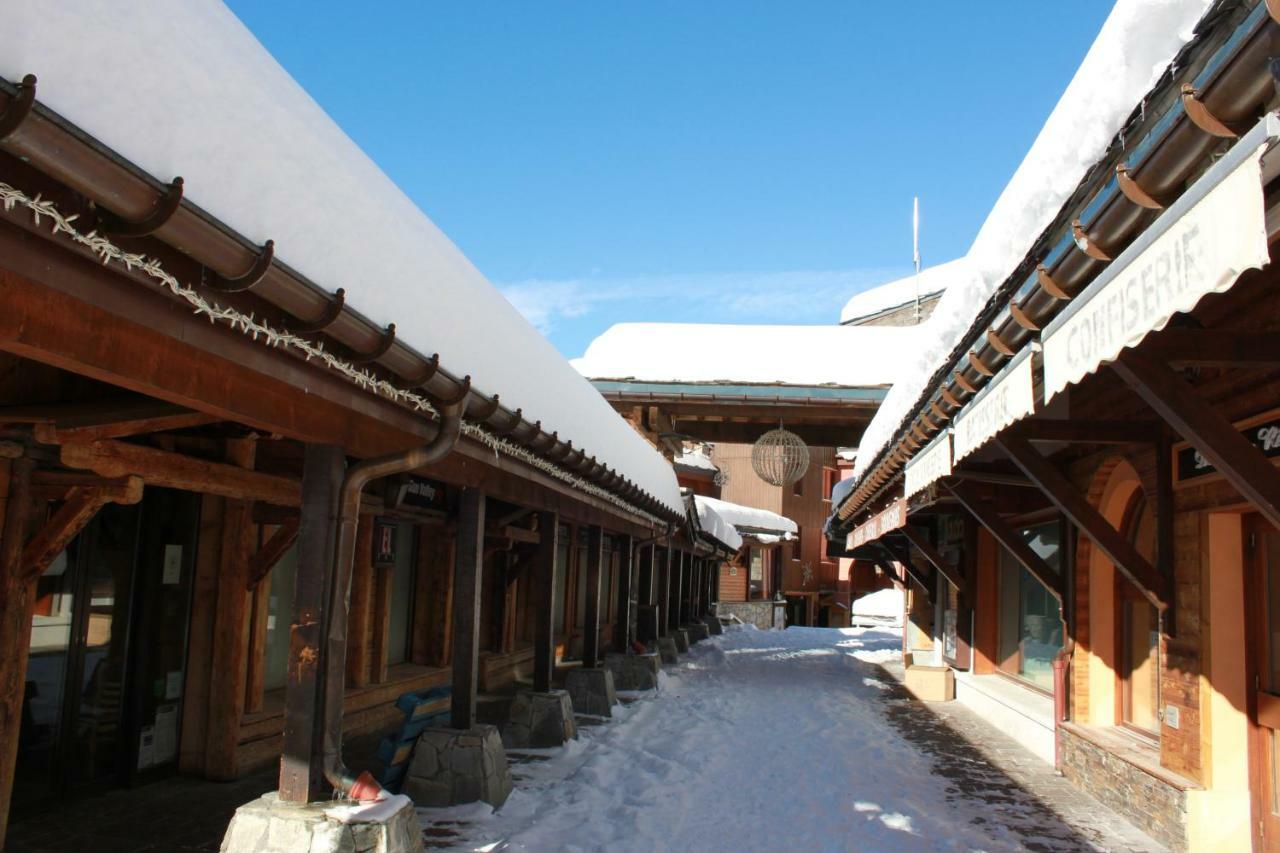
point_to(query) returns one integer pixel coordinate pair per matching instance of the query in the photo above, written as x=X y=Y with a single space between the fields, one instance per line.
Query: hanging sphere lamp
x=780 y=457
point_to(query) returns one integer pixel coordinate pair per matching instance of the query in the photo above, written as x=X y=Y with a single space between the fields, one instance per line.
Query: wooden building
x=1085 y=491
x=208 y=439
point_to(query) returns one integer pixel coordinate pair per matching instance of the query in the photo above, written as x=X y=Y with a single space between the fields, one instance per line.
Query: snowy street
x=770 y=740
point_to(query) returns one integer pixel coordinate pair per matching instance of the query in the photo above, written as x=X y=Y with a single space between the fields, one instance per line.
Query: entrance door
x=1264 y=678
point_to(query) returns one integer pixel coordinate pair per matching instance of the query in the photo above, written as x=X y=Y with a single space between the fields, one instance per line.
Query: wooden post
x=591 y=618
x=622 y=636
x=543 y=576
x=302 y=777
x=230 y=670
x=468 y=578
x=664 y=593
x=17 y=604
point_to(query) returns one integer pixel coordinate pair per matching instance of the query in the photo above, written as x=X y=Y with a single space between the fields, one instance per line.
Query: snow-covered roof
x=716 y=526
x=185 y=89
x=1135 y=45
x=747 y=517
x=696 y=458
x=848 y=356
x=895 y=294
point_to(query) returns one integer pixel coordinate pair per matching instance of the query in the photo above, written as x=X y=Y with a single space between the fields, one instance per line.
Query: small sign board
x=885 y=521
x=1262 y=432
x=384 y=542
x=421 y=494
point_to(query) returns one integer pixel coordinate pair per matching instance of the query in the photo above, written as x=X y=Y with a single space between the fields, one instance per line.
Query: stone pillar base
x=667 y=650
x=713 y=625
x=454 y=766
x=591 y=691
x=267 y=825
x=539 y=721
x=681 y=636
x=697 y=632
x=633 y=672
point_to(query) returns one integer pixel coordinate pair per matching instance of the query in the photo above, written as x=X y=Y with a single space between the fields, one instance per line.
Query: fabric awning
x=1200 y=245
x=887 y=520
x=1007 y=399
x=929 y=465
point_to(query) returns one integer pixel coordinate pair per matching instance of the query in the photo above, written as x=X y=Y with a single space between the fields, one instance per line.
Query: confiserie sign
x=929 y=465
x=889 y=519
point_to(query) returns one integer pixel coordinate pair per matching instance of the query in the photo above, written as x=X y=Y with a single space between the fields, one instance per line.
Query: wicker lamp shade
x=780 y=457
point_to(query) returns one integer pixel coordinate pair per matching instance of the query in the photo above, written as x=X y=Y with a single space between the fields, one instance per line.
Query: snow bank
x=747 y=516
x=1135 y=45
x=848 y=356
x=901 y=292
x=185 y=89
x=716 y=526
x=883 y=603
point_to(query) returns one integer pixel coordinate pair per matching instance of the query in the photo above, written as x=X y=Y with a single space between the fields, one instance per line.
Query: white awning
x=1200 y=245
x=929 y=465
x=1007 y=399
x=885 y=521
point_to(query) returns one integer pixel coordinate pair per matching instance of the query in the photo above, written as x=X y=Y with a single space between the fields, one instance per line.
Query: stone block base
x=697 y=632
x=633 y=672
x=592 y=691
x=931 y=683
x=682 y=639
x=667 y=650
x=539 y=720
x=713 y=625
x=454 y=766
x=267 y=825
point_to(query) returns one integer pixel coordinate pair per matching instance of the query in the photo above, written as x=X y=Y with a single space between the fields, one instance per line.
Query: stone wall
x=1151 y=804
x=758 y=613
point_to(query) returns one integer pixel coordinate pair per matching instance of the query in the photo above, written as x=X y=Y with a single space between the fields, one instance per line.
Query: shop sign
x=1264 y=434
x=1008 y=399
x=1200 y=245
x=929 y=465
x=886 y=521
x=420 y=493
x=384 y=542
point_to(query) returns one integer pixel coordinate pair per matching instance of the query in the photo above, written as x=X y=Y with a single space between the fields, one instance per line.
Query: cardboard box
x=931 y=683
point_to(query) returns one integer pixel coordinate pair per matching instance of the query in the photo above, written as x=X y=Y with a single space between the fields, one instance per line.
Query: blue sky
x=733 y=162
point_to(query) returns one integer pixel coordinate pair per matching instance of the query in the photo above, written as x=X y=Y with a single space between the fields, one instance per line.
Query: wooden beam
x=1214 y=348
x=1243 y=465
x=512 y=534
x=177 y=471
x=17 y=604
x=118 y=418
x=902 y=554
x=81 y=505
x=985 y=514
x=1087 y=432
x=262 y=562
x=468 y=578
x=543 y=577
x=922 y=544
x=591 y=615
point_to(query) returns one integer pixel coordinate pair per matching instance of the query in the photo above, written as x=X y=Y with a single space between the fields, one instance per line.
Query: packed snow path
x=766 y=740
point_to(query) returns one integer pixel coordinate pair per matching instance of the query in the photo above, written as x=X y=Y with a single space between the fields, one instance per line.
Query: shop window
x=562 y=578
x=400 y=616
x=1139 y=630
x=757 y=574
x=1030 y=628
x=279 y=614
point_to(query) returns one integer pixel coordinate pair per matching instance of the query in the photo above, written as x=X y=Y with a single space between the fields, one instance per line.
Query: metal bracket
x=388 y=338
x=249 y=279
x=326 y=319
x=19 y=108
x=165 y=207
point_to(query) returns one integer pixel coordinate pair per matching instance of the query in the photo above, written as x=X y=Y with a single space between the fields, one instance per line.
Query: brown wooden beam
x=17 y=605
x=591 y=615
x=468 y=579
x=81 y=505
x=902 y=555
x=543 y=578
x=178 y=471
x=922 y=544
x=1244 y=466
x=1214 y=348
x=266 y=557
x=83 y=422
x=1058 y=489
x=985 y=514
x=1087 y=432
x=511 y=533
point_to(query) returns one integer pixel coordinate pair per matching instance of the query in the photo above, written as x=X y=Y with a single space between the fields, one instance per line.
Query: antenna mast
x=915 y=247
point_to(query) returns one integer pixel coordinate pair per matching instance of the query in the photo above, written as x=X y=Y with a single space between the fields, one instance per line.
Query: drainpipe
x=357 y=477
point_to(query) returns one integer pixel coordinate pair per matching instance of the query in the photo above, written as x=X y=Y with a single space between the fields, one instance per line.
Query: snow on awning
x=258 y=154
x=887 y=520
x=714 y=525
x=747 y=518
x=929 y=465
x=1007 y=399
x=1200 y=245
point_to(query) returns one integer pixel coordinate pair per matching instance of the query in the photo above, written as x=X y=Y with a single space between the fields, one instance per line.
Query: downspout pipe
x=363 y=787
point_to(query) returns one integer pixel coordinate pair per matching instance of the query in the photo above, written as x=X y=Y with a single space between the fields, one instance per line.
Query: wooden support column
x=543 y=576
x=985 y=514
x=229 y=670
x=622 y=636
x=664 y=593
x=591 y=618
x=302 y=777
x=359 y=627
x=17 y=604
x=468 y=578
x=1244 y=466
x=925 y=547
x=1058 y=489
